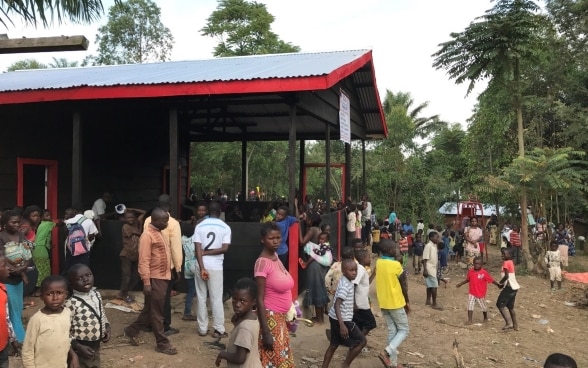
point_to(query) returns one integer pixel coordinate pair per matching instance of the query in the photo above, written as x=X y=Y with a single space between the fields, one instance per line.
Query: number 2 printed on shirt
x=210 y=234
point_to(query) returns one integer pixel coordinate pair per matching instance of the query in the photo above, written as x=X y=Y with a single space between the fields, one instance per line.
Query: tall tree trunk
x=524 y=223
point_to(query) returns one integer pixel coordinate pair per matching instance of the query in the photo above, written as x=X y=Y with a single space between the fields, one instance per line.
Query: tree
x=494 y=46
x=244 y=28
x=63 y=63
x=133 y=34
x=33 y=12
x=26 y=64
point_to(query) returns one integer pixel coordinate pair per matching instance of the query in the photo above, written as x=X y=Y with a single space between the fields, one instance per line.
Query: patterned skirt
x=43 y=267
x=281 y=354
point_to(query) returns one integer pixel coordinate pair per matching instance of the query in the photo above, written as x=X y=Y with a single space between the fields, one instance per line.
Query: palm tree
x=494 y=46
x=63 y=63
x=43 y=11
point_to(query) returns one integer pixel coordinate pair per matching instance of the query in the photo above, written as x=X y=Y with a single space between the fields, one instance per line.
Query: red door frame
x=52 y=175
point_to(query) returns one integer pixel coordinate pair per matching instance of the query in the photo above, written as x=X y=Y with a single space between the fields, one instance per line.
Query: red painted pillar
x=293 y=247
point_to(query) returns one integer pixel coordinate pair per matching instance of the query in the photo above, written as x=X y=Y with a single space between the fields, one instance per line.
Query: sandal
x=169 y=350
x=217 y=334
x=128 y=299
x=302 y=264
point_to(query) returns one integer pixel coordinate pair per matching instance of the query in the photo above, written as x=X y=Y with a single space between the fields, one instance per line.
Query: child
x=557 y=360
x=189 y=267
x=392 y=293
x=129 y=255
x=430 y=265
x=326 y=228
x=458 y=248
x=479 y=279
x=42 y=247
x=553 y=261
x=417 y=257
x=47 y=341
x=403 y=243
x=442 y=262
x=451 y=245
x=242 y=349
x=334 y=274
x=362 y=315
x=375 y=238
x=343 y=330
x=515 y=241
x=284 y=222
x=89 y=324
x=6 y=331
x=320 y=252
x=506 y=299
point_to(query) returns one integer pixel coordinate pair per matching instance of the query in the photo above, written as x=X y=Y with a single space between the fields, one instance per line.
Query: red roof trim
x=198 y=88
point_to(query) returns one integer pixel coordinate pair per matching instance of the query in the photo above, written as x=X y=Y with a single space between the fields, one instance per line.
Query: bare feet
x=507 y=327
x=469 y=323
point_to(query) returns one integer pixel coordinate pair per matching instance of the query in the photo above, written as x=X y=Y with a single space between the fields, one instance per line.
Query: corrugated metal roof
x=210 y=70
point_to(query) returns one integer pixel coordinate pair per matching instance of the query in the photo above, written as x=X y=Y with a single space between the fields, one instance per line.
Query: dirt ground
x=546 y=325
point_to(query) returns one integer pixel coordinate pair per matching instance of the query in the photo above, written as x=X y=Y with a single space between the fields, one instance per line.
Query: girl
x=351 y=223
x=15 y=248
x=242 y=349
x=42 y=247
x=274 y=299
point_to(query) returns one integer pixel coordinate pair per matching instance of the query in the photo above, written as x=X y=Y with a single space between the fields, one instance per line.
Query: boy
x=6 y=331
x=363 y=316
x=403 y=243
x=430 y=264
x=47 y=341
x=129 y=255
x=89 y=323
x=343 y=330
x=442 y=262
x=155 y=271
x=506 y=299
x=553 y=261
x=392 y=294
x=515 y=241
x=558 y=360
x=478 y=278
x=284 y=222
x=375 y=238
x=418 y=249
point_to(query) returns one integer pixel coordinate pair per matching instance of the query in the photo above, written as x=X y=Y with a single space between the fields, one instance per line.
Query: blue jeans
x=15 y=305
x=190 y=294
x=397 y=322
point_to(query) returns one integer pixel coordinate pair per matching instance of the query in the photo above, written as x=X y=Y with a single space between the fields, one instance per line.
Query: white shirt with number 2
x=212 y=233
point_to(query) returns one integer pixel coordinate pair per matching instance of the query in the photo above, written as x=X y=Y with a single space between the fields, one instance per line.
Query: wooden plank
x=43 y=44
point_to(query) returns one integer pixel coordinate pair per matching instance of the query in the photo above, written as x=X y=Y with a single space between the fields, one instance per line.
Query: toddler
x=553 y=261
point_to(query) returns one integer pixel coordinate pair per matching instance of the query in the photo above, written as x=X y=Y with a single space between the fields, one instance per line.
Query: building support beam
x=347 y=178
x=174 y=165
x=328 y=165
x=43 y=44
x=301 y=162
x=363 y=168
x=244 y=171
x=76 y=162
x=292 y=159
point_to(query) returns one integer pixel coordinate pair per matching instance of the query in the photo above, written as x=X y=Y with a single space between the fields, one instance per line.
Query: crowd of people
x=157 y=247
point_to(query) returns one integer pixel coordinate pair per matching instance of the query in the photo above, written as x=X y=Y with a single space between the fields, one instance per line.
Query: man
x=99 y=206
x=173 y=234
x=212 y=238
x=154 y=260
x=366 y=216
x=72 y=216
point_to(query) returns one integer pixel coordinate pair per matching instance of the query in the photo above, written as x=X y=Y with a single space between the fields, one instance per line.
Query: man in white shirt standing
x=71 y=217
x=212 y=238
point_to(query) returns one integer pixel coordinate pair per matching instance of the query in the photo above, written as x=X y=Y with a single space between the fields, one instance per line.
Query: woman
x=316 y=291
x=274 y=299
x=472 y=235
x=12 y=238
x=563 y=240
x=29 y=224
x=42 y=248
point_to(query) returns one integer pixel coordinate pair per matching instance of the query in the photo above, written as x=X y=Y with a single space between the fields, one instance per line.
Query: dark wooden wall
x=125 y=149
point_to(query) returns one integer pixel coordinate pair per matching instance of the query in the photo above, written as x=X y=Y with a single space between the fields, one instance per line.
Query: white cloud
x=402 y=33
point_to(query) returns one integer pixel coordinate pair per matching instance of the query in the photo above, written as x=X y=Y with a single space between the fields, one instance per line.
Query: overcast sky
x=402 y=33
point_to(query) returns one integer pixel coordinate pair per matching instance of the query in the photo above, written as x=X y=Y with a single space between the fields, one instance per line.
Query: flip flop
x=385 y=359
x=302 y=264
x=169 y=351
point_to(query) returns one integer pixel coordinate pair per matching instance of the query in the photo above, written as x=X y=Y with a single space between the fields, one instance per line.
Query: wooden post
x=76 y=162
x=328 y=165
x=292 y=159
x=244 y=171
x=347 y=171
x=43 y=44
x=363 y=177
x=301 y=165
x=173 y=162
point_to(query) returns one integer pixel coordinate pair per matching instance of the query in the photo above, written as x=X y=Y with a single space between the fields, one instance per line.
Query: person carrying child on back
x=242 y=349
x=392 y=294
x=506 y=299
x=47 y=341
x=478 y=279
x=343 y=330
x=89 y=325
x=553 y=262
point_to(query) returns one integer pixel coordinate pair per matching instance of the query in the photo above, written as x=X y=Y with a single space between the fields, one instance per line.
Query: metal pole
x=174 y=167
